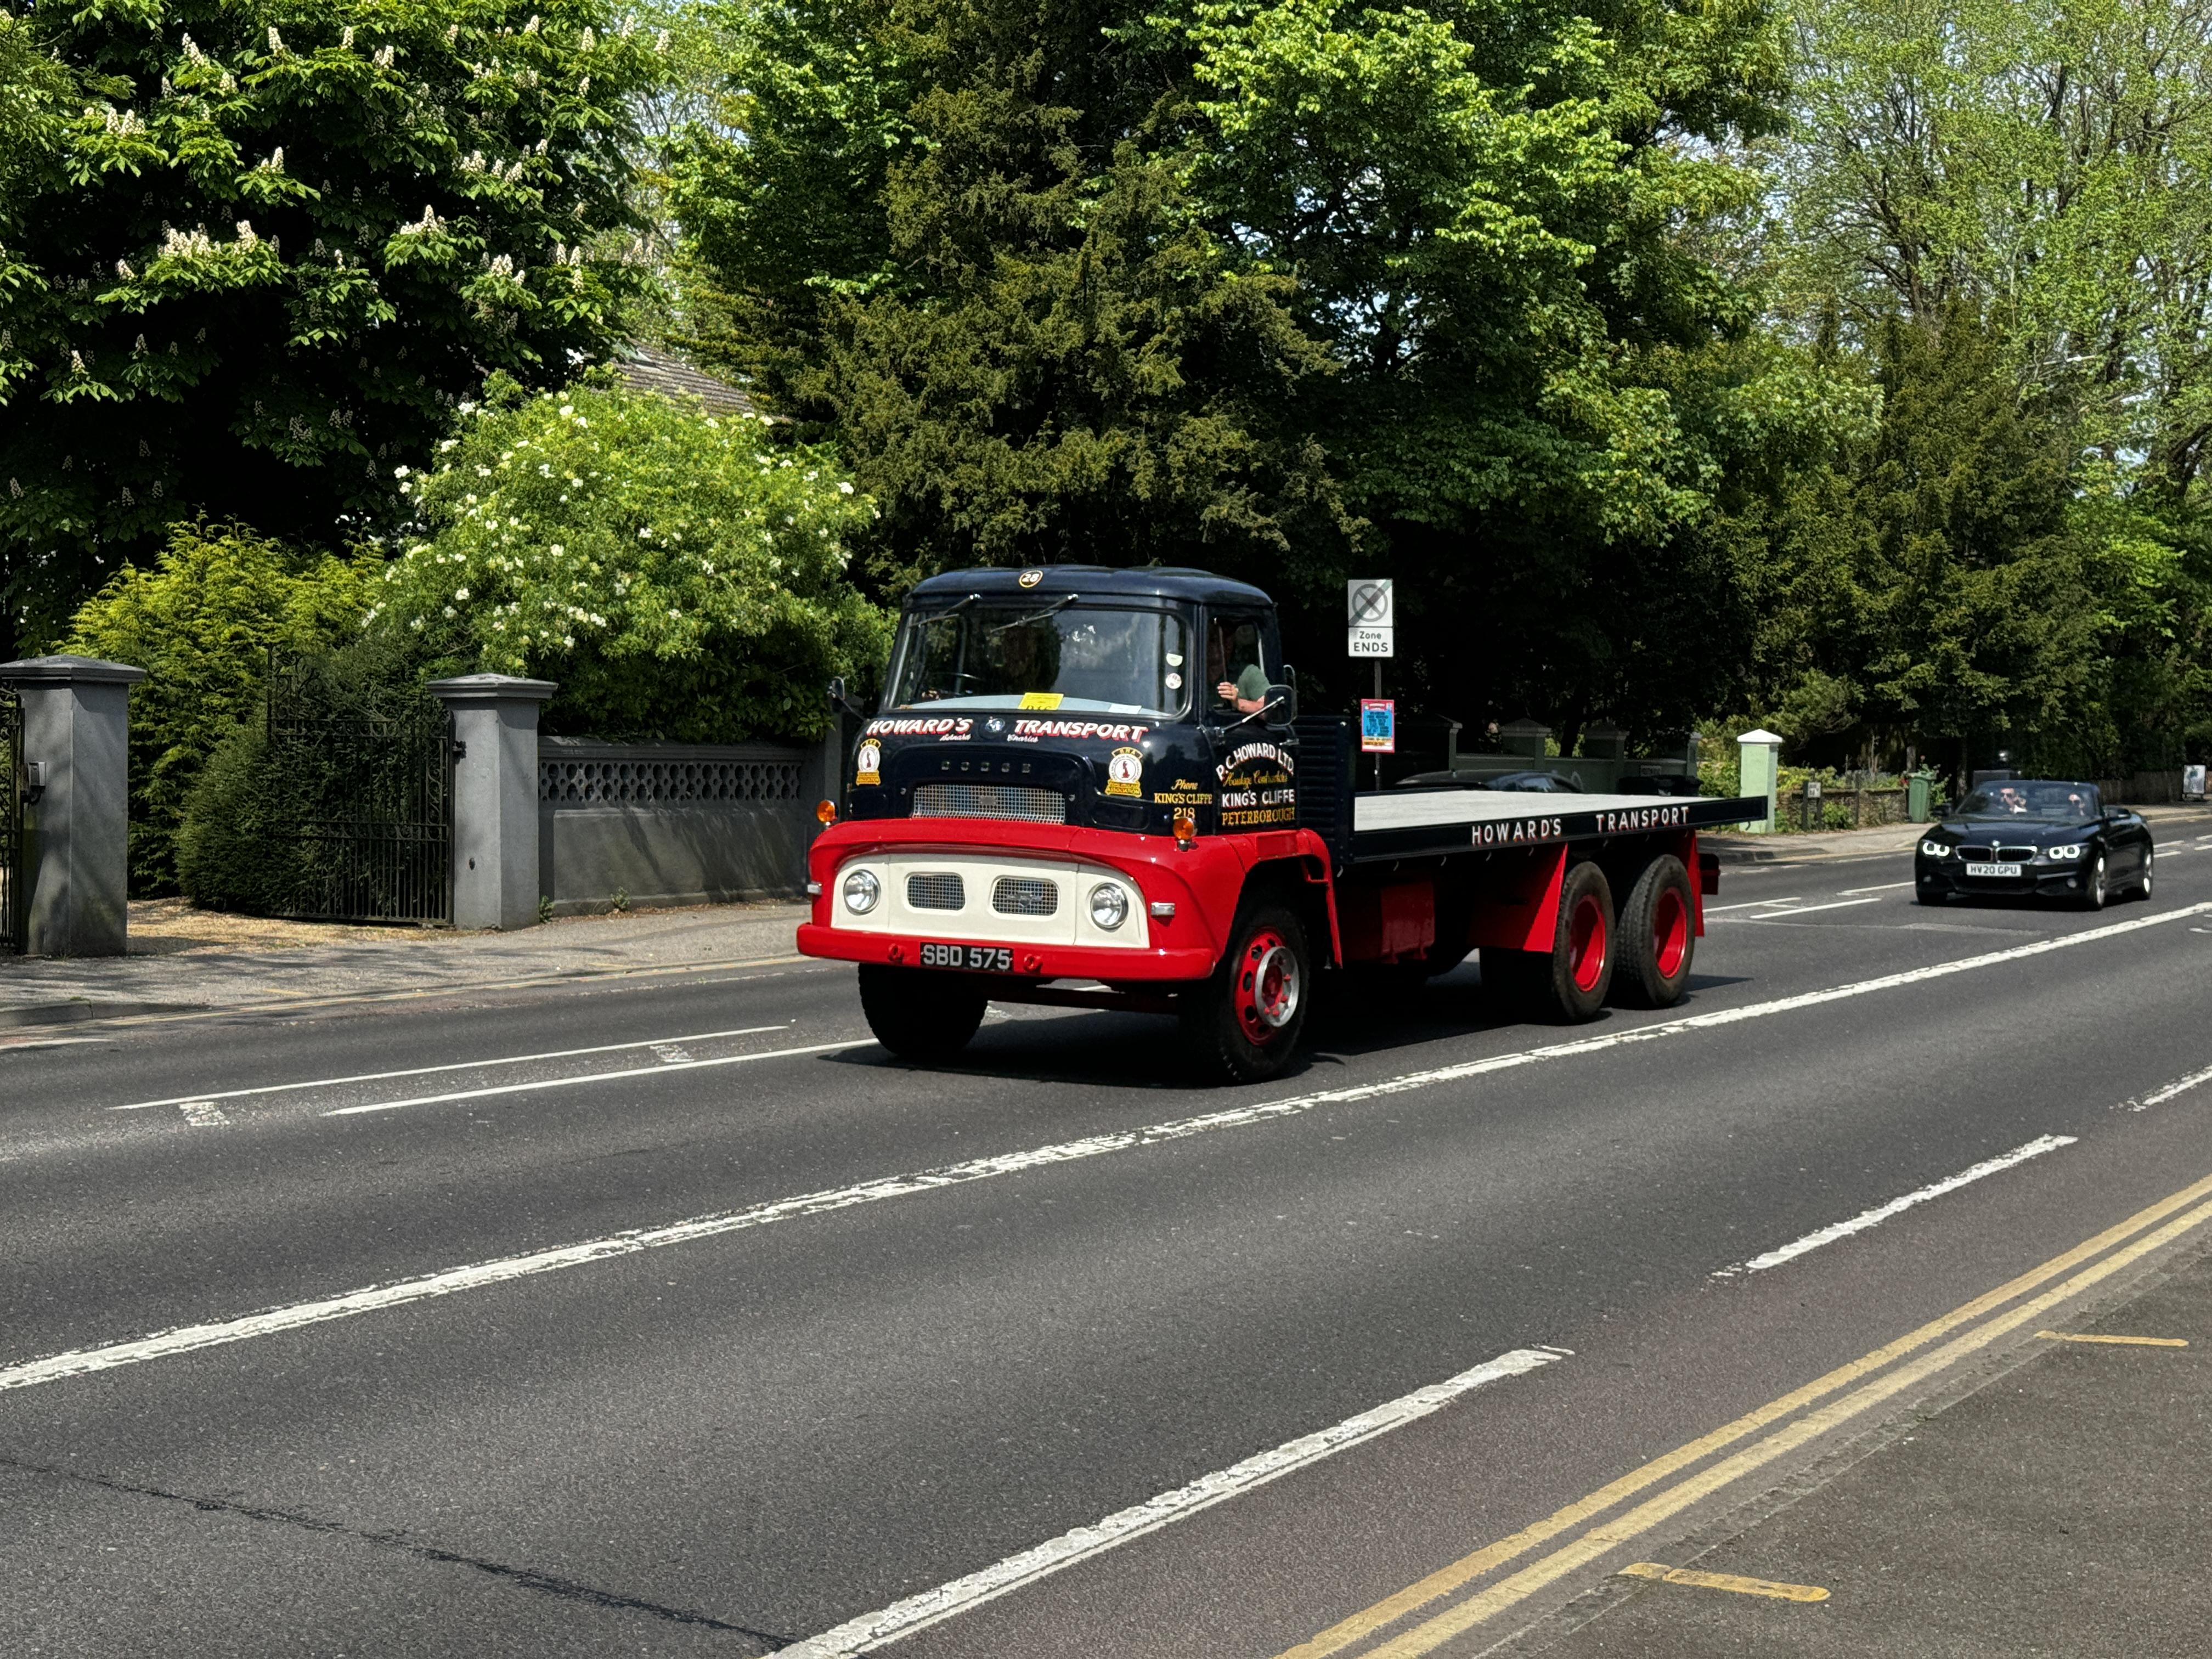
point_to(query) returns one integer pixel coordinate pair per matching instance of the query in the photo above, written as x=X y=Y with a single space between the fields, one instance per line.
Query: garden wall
x=668 y=823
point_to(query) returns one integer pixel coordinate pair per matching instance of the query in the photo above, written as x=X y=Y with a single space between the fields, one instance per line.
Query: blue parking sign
x=1378 y=725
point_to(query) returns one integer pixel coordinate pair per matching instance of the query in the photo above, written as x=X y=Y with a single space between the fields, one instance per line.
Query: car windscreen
x=2062 y=802
x=1043 y=653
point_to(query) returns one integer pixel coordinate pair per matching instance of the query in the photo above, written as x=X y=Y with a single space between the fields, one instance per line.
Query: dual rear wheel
x=1639 y=953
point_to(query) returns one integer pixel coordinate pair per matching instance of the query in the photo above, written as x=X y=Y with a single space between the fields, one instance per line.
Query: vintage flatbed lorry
x=1091 y=787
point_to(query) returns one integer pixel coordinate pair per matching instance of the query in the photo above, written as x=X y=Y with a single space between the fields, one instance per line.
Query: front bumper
x=1202 y=881
x=2037 y=880
x=1153 y=964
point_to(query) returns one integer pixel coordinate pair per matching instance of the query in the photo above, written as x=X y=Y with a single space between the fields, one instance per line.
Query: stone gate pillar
x=495 y=797
x=77 y=818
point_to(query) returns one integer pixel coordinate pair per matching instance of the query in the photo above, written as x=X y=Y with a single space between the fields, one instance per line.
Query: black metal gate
x=364 y=825
x=14 y=882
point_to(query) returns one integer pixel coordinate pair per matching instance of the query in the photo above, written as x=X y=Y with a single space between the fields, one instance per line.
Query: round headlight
x=862 y=889
x=2067 y=853
x=1110 y=905
x=1935 y=849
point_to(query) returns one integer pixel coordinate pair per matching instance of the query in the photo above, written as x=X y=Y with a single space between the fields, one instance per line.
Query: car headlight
x=1935 y=849
x=1110 y=905
x=862 y=889
x=2066 y=854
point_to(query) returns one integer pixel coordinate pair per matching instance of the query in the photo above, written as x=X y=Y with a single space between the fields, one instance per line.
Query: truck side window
x=1237 y=673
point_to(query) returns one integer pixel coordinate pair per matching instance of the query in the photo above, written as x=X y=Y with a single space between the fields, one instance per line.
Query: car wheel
x=919 y=1014
x=2092 y=885
x=1243 y=1024
x=2142 y=887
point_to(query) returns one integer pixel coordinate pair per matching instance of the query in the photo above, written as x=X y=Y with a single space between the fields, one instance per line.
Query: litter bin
x=1917 y=788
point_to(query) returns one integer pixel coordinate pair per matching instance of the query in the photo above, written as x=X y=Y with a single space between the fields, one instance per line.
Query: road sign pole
x=1378 y=692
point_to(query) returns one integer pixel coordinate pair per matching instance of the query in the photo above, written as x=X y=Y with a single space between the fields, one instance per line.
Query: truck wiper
x=1054 y=609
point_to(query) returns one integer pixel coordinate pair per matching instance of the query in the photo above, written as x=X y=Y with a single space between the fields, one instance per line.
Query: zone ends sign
x=1370 y=616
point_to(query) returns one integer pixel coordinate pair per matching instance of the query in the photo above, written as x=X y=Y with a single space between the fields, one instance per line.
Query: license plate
x=989 y=958
x=1999 y=870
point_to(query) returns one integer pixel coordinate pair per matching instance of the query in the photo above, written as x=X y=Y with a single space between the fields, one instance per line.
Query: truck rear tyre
x=917 y=1014
x=1243 y=1024
x=1569 y=982
x=1658 y=936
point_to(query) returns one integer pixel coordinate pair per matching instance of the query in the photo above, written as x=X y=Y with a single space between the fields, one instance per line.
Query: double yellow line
x=1848 y=1393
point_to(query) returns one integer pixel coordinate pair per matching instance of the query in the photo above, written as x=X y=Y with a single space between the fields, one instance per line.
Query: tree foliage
x=202 y=619
x=1290 y=289
x=257 y=265
x=676 y=573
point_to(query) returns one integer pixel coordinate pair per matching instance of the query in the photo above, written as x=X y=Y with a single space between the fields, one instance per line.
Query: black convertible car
x=2031 y=837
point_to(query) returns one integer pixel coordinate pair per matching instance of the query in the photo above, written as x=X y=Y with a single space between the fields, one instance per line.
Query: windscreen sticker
x=1040 y=699
x=1124 y=772
x=868 y=762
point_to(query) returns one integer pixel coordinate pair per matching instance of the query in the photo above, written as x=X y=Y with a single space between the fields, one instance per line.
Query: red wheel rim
x=1670 y=932
x=1268 y=987
x=1586 y=943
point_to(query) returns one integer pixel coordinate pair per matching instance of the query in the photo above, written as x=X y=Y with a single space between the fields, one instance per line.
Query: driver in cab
x=1233 y=667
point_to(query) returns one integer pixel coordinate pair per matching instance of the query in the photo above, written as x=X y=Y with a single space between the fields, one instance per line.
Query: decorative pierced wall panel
x=664 y=782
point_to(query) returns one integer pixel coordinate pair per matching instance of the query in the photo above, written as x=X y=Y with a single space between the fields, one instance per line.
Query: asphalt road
x=647 y=1318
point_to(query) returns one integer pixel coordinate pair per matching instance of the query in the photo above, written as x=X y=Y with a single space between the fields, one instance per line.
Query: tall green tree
x=277 y=244
x=1209 y=281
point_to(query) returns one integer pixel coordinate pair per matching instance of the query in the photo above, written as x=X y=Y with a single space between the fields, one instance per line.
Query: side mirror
x=1280 y=705
x=841 y=701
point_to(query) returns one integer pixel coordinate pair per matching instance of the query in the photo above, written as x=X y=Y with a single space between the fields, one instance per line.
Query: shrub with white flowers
x=680 y=574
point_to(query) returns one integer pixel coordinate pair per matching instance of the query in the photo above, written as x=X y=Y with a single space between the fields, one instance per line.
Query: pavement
x=183 y=960
x=655 y=1310
x=2063 y=1508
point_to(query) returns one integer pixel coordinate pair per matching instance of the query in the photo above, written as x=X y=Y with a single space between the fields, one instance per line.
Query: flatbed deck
x=1398 y=823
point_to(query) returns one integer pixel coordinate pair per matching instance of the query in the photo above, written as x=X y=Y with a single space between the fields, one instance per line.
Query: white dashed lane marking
x=1881 y=1212
x=452 y=1066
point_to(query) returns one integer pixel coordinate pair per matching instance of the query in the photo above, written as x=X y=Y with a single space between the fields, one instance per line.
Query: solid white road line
x=903 y=1619
x=2159 y=1096
x=660 y=1070
x=188 y=1339
x=1881 y=1212
x=1749 y=904
x=1887 y=887
x=455 y=1066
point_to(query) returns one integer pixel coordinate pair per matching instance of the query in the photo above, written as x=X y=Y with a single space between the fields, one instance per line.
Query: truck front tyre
x=1243 y=1024
x=1569 y=982
x=1658 y=936
x=920 y=1015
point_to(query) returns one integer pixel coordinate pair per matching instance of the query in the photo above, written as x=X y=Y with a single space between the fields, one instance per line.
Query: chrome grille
x=937 y=891
x=1025 y=896
x=990 y=801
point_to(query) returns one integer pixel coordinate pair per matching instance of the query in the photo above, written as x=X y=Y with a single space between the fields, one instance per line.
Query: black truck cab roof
x=1175 y=582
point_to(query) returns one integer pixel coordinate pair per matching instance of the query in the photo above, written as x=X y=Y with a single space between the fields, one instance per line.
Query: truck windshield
x=1044 y=654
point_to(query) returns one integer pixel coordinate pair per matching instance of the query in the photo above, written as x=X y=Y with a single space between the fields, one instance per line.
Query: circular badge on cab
x=1031 y=578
